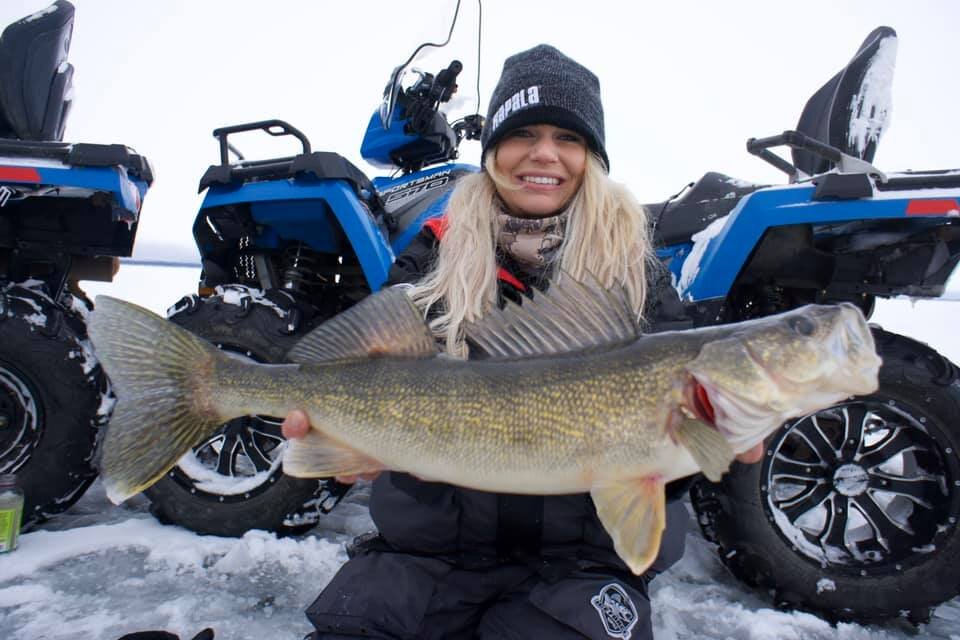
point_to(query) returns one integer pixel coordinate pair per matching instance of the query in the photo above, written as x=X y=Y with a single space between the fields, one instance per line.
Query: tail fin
x=162 y=376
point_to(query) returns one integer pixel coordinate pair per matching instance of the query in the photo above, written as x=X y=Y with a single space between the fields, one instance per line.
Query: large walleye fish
x=571 y=398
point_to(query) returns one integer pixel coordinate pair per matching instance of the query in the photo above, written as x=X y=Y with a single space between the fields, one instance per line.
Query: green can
x=11 y=512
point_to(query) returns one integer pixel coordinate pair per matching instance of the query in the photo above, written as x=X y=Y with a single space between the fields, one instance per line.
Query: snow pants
x=389 y=595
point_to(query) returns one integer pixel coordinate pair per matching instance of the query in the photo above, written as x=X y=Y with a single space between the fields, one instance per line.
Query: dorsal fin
x=569 y=316
x=386 y=323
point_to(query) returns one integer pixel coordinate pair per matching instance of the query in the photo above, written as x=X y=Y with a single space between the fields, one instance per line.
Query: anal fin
x=634 y=514
x=709 y=449
x=319 y=456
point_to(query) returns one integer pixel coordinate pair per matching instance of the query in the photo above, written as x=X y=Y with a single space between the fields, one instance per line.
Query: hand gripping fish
x=570 y=397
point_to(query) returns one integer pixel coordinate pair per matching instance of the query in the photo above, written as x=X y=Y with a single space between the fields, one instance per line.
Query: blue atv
x=853 y=511
x=68 y=212
x=286 y=243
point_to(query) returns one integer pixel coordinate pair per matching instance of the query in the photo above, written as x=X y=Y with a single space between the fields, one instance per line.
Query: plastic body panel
x=726 y=253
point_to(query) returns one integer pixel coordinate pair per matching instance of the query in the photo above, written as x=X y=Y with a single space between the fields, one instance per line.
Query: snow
x=41 y=13
x=208 y=480
x=826 y=584
x=740 y=184
x=100 y=571
x=872 y=105
x=701 y=240
x=235 y=294
x=802 y=544
x=38 y=319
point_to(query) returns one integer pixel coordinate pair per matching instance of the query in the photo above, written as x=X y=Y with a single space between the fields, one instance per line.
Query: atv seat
x=35 y=77
x=711 y=197
x=850 y=111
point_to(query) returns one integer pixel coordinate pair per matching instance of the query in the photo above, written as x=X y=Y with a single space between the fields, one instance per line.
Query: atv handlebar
x=446 y=83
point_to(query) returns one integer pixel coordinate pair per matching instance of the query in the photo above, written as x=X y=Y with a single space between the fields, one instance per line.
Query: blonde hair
x=607 y=235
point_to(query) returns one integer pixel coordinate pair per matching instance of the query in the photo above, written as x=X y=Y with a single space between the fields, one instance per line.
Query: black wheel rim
x=241 y=460
x=864 y=486
x=20 y=420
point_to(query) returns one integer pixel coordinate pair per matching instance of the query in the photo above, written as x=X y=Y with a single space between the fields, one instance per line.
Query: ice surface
x=100 y=571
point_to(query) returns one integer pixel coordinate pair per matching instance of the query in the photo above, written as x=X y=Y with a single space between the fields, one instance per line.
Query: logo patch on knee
x=616 y=610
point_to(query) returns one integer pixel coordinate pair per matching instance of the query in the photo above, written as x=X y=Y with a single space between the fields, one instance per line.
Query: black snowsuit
x=456 y=563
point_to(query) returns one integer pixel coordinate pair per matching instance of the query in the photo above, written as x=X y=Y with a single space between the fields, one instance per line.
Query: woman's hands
x=753 y=455
x=296 y=425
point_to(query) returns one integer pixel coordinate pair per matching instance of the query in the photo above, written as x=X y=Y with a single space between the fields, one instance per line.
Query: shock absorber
x=773 y=299
x=301 y=269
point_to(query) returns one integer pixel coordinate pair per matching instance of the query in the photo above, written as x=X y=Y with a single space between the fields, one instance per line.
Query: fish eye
x=803 y=326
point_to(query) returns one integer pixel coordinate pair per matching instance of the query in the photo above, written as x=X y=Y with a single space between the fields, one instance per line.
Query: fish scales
x=491 y=416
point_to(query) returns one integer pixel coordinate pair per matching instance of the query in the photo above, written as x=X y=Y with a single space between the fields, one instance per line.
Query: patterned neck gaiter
x=532 y=241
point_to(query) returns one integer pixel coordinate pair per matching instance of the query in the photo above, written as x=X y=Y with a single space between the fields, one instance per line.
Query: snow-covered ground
x=100 y=571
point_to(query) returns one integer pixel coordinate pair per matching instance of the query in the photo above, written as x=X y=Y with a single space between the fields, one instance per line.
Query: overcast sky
x=683 y=85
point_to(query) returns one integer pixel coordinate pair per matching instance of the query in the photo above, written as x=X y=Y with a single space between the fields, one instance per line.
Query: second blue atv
x=68 y=212
x=286 y=243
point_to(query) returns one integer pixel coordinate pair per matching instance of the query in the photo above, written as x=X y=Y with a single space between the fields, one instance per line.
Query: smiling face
x=544 y=164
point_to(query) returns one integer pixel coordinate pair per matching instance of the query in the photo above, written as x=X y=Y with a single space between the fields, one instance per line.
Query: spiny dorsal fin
x=570 y=316
x=386 y=323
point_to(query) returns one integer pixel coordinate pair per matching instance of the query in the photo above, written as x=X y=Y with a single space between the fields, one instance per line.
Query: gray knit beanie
x=543 y=86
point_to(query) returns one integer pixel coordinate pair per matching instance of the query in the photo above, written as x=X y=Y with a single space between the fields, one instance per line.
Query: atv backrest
x=850 y=111
x=35 y=77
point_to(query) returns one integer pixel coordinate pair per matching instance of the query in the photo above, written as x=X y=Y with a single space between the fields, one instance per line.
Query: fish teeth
x=541 y=180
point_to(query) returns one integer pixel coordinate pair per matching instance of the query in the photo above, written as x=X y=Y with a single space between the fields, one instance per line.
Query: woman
x=457 y=563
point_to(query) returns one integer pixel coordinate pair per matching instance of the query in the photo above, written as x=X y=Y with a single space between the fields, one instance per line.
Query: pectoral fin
x=710 y=450
x=319 y=456
x=634 y=514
